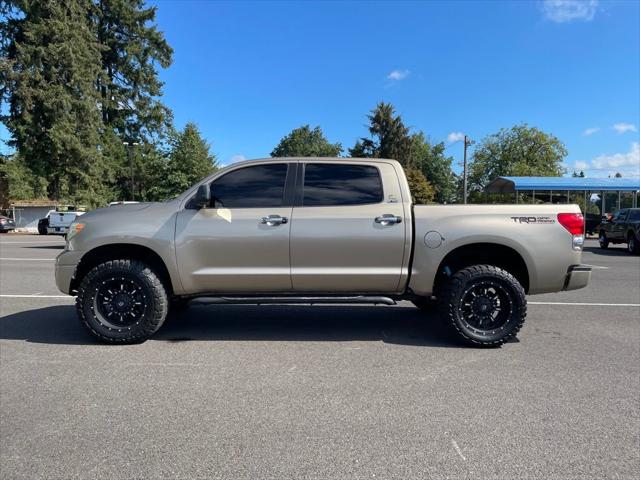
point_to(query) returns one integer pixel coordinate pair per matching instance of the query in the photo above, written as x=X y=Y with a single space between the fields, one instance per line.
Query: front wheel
x=484 y=305
x=122 y=301
x=632 y=244
x=603 y=240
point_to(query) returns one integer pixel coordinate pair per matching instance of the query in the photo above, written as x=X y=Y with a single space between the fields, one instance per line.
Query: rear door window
x=634 y=215
x=331 y=184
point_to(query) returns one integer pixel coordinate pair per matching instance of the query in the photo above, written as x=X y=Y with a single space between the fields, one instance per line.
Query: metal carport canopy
x=515 y=184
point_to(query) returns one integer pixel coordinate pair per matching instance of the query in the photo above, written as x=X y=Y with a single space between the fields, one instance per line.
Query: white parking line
x=29 y=259
x=36 y=296
x=42 y=242
x=587 y=304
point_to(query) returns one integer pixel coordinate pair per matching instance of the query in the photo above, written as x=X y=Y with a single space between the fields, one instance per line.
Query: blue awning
x=513 y=184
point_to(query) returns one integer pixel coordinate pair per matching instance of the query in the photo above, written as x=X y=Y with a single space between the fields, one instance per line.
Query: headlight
x=74 y=229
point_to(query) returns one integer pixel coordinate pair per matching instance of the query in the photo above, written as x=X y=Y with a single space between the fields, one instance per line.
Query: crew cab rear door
x=241 y=242
x=348 y=228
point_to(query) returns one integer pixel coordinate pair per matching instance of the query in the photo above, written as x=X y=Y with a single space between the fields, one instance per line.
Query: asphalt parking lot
x=319 y=392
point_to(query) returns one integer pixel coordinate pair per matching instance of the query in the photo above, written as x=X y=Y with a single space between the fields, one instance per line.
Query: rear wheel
x=603 y=240
x=122 y=301
x=484 y=305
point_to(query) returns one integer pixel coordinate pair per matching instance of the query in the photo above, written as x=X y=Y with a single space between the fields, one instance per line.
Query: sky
x=247 y=73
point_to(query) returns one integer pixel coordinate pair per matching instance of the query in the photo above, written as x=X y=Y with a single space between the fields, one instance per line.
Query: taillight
x=574 y=223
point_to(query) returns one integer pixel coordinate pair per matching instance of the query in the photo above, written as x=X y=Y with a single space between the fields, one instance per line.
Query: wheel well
x=484 y=254
x=121 y=250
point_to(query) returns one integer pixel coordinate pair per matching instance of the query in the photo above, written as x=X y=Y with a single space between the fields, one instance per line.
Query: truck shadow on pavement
x=394 y=325
x=613 y=251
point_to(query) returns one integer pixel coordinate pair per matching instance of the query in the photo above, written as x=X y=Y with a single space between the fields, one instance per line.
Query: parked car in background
x=6 y=224
x=61 y=219
x=318 y=230
x=43 y=223
x=592 y=223
x=622 y=227
x=122 y=202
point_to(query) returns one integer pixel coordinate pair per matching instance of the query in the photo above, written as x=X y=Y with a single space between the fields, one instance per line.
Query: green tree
x=306 y=142
x=80 y=77
x=421 y=190
x=21 y=183
x=390 y=138
x=51 y=61
x=518 y=151
x=129 y=86
x=189 y=161
x=430 y=159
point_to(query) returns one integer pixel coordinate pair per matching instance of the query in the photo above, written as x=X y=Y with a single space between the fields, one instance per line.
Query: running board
x=288 y=300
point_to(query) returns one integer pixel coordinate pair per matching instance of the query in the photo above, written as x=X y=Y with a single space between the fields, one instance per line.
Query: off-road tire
x=155 y=295
x=450 y=305
x=603 y=240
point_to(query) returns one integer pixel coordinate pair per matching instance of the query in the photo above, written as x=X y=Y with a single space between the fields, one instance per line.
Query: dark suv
x=623 y=227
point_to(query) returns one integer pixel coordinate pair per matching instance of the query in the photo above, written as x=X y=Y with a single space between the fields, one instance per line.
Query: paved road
x=319 y=392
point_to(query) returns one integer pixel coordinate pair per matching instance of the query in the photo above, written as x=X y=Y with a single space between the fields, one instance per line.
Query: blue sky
x=249 y=72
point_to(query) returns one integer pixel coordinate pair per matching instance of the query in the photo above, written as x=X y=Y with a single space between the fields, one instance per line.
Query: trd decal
x=536 y=220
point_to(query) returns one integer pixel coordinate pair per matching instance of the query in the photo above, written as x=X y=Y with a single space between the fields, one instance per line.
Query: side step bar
x=289 y=300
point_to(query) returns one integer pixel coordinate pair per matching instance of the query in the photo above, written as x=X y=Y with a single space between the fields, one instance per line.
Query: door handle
x=273 y=220
x=387 y=219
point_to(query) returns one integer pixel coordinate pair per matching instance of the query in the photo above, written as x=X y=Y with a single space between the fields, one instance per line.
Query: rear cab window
x=334 y=184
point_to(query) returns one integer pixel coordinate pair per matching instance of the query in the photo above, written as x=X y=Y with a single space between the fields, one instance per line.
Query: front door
x=241 y=242
x=349 y=233
x=619 y=223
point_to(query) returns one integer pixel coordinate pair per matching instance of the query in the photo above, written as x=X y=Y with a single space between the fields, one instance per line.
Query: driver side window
x=250 y=187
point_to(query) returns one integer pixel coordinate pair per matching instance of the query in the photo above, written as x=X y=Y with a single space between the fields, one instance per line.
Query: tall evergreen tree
x=129 y=86
x=390 y=138
x=51 y=61
x=189 y=161
x=80 y=77
x=305 y=142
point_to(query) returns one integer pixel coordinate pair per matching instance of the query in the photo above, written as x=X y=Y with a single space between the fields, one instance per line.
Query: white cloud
x=579 y=165
x=237 y=158
x=398 y=75
x=455 y=137
x=563 y=11
x=624 y=127
x=628 y=163
x=590 y=131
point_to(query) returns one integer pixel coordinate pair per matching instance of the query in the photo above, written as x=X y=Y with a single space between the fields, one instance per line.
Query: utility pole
x=130 y=146
x=467 y=143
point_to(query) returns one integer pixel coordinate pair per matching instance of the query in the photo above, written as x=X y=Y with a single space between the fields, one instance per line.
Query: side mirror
x=203 y=197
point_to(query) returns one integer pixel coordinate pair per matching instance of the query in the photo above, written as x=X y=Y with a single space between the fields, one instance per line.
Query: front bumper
x=57 y=230
x=577 y=277
x=65 y=269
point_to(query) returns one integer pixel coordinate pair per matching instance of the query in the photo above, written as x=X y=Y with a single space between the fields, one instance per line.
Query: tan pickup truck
x=317 y=230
